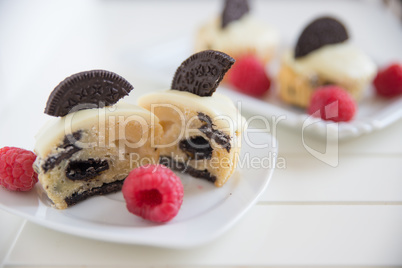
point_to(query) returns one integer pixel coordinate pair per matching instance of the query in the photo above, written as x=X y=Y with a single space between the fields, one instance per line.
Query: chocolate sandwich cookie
x=64 y=151
x=201 y=73
x=234 y=10
x=322 y=31
x=86 y=169
x=105 y=189
x=87 y=90
x=237 y=32
x=182 y=166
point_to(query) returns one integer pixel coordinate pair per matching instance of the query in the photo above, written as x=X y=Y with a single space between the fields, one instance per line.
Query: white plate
x=206 y=213
x=373 y=114
x=161 y=60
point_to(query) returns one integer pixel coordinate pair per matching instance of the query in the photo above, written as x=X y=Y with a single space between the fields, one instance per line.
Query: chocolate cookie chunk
x=196 y=148
x=201 y=73
x=322 y=31
x=234 y=10
x=105 y=189
x=183 y=167
x=86 y=90
x=86 y=169
x=218 y=136
x=65 y=151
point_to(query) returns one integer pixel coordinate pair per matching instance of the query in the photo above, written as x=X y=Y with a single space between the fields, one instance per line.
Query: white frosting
x=335 y=62
x=240 y=36
x=53 y=132
x=219 y=107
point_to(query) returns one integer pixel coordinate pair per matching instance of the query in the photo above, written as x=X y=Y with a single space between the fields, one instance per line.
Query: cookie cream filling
x=238 y=37
x=337 y=62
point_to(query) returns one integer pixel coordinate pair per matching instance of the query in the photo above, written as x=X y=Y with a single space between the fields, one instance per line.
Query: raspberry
x=248 y=76
x=388 y=81
x=333 y=103
x=16 y=171
x=153 y=192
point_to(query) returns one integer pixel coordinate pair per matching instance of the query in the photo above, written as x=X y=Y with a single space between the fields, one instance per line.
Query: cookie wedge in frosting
x=323 y=56
x=91 y=149
x=238 y=33
x=202 y=130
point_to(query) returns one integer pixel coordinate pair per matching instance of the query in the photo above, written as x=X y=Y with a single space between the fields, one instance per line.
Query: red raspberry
x=333 y=103
x=153 y=192
x=16 y=171
x=388 y=81
x=248 y=76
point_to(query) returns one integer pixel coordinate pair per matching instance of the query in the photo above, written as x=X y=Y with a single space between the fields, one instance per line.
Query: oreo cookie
x=322 y=31
x=85 y=169
x=64 y=151
x=106 y=188
x=86 y=90
x=234 y=10
x=201 y=73
x=172 y=163
x=196 y=148
x=218 y=136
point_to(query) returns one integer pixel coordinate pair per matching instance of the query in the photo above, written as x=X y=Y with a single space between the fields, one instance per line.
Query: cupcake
x=323 y=56
x=237 y=33
x=93 y=140
x=202 y=130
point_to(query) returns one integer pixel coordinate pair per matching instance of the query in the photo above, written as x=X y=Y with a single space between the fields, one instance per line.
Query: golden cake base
x=297 y=89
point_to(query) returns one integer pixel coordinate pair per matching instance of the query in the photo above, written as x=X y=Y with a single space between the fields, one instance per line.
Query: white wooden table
x=311 y=213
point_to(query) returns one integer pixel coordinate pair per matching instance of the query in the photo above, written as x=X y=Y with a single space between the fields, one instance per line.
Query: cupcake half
x=323 y=56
